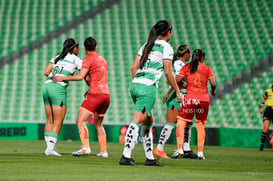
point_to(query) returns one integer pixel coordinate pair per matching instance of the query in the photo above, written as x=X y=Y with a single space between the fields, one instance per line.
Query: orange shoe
x=160 y=153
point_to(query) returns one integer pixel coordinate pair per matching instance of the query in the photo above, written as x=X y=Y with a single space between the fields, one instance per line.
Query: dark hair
x=196 y=57
x=90 y=43
x=181 y=51
x=162 y=27
x=68 y=46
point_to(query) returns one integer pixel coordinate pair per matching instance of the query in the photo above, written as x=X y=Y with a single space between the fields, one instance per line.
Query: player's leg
x=166 y=132
x=201 y=119
x=266 y=124
x=180 y=127
x=131 y=138
x=83 y=116
x=186 y=114
x=48 y=111
x=49 y=123
x=201 y=135
x=101 y=135
x=147 y=140
x=54 y=96
x=186 y=145
x=58 y=117
x=144 y=98
x=267 y=116
x=98 y=118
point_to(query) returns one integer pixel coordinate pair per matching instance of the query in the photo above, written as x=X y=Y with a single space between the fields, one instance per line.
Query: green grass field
x=24 y=160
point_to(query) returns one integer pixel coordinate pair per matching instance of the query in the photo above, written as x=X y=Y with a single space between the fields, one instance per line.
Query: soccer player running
x=196 y=101
x=54 y=95
x=182 y=55
x=154 y=57
x=97 y=99
x=268 y=114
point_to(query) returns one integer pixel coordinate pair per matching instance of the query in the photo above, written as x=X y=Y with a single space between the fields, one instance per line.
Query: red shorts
x=189 y=108
x=96 y=103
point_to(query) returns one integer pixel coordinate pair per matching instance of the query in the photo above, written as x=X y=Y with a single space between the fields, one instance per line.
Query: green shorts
x=143 y=97
x=171 y=101
x=54 y=94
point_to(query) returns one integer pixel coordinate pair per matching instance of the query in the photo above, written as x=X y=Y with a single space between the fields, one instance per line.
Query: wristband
x=261 y=105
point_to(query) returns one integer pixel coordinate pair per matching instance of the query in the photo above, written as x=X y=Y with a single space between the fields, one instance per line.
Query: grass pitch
x=24 y=160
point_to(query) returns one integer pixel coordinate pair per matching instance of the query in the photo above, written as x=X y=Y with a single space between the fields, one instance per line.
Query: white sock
x=186 y=146
x=51 y=141
x=130 y=139
x=46 y=138
x=147 y=139
x=164 y=136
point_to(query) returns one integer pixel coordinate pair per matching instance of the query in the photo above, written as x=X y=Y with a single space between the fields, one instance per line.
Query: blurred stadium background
x=237 y=36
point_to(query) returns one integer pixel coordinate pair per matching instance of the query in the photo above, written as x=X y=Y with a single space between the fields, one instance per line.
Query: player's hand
x=261 y=110
x=57 y=79
x=179 y=96
x=212 y=93
x=165 y=98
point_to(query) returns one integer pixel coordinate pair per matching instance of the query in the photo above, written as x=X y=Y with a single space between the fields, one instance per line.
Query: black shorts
x=268 y=114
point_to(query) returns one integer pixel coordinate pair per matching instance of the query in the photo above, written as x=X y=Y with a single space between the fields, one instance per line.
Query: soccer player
x=196 y=101
x=54 y=95
x=154 y=57
x=97 y=99
x=268 y=114
x=182 y=55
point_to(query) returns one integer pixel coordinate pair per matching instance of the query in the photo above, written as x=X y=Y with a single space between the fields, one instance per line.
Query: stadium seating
x=24 y=21
x=234 y=35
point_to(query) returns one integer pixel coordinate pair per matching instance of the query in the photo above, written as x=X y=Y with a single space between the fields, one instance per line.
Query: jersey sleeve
x=210 y=73
x=177 y=67
x=53 y=59
x=140 y=51
x=168 y=52
x=78 y=63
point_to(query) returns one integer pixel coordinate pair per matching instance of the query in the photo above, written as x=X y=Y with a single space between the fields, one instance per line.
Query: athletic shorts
x=54 y=94
x=194 y=107
x=96 y=103
x=143 y=97
x=172 y=101
x=268 y=114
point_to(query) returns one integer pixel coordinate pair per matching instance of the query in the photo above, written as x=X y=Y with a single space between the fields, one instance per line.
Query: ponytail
x=196 y=57
x=68 y=46
x=148 y=47
x=160 y=28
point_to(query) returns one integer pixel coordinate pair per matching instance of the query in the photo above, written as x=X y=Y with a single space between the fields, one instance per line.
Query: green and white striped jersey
x=64 y=67
x=153 y=67
x=177 y=66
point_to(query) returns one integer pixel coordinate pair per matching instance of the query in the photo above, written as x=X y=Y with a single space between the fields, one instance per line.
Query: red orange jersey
x=98 y=68
x=197 y=82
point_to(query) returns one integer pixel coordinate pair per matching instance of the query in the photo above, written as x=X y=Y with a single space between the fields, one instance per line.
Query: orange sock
x=180 y=133
x=84 y=137
x=102 y=142
x=201 y=135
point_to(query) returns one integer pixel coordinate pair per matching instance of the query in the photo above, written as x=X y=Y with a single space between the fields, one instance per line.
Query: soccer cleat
x=149 y=162
x=104 y=154
x=160 y=153
x=82 y=152
x=127 y=161
x=178 y=154
x=200 y=156
x=51 y=153
x=189 y=154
